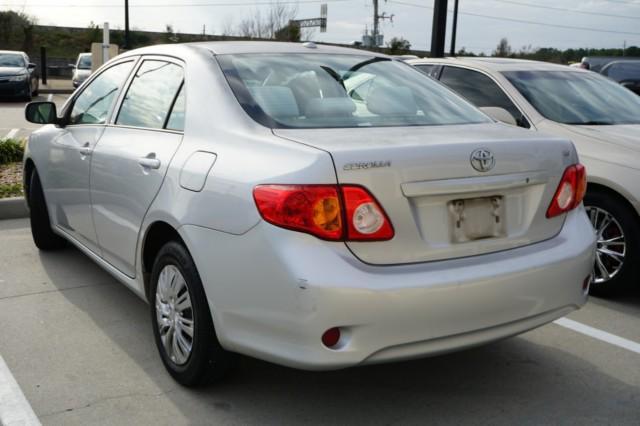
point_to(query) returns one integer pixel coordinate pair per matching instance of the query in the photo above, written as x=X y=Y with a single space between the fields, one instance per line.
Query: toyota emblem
x=482 y=160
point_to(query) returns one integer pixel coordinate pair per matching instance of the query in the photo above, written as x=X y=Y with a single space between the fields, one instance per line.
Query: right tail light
x=570 y=192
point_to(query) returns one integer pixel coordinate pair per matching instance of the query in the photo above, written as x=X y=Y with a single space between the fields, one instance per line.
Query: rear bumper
x=274 y=292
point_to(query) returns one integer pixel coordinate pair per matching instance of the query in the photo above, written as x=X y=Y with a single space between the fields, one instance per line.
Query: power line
x=583 y=12
x=156 y=5
x=522 y=21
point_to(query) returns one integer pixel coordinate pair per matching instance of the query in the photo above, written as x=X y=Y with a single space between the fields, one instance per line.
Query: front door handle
x=86 y=149
x=150 y=161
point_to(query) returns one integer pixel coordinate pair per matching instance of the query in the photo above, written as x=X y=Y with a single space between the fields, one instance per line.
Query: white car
x=81 y=69
x=602 y=119
x=240 y=190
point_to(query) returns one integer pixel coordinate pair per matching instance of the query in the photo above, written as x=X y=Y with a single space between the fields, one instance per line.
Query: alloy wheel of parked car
x=611 y=246
x=617 y=233
x=182 y=323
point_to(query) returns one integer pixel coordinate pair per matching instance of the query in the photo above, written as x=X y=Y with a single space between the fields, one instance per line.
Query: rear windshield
x=324 y=91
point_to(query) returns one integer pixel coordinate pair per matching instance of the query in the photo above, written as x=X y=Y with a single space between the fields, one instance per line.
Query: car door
x=480 y=90
x=71 y=149
x=131 y=159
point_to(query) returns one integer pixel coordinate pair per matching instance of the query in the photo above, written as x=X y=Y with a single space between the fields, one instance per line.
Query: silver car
x=603 y=120
x=260 y=210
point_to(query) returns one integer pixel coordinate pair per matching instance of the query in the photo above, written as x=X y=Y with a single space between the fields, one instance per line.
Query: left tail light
x=570 y=192
x=330 y=212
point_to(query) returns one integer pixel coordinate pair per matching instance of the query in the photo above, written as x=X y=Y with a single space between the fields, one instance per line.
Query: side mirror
x=41 y=113
x=500 y=114
x=31 y=65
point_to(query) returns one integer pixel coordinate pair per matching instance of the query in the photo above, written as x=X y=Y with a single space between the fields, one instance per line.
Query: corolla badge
x=482 y=160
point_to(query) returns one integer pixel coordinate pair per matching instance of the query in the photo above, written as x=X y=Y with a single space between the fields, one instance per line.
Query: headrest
x=329 y=107
x=387 y=100
x=276 y=101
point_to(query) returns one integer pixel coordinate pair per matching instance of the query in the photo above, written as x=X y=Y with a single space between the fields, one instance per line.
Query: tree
x=503 y=49
x=398 y=46
x=169 y=35
x=270 y=25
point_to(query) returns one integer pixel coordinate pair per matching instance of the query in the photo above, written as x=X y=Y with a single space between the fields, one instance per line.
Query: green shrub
x=11 y=150
x=10 y=190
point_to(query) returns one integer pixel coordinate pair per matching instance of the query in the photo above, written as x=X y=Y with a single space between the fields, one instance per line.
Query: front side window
x=92 y=106
x=480 y=90
x=12 y=60
x=323 y=91
x=151 y=95
x=429 y=69
x=575 y=97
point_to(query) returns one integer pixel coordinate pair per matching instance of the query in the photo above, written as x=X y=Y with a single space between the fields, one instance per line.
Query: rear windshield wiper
x=592 y=123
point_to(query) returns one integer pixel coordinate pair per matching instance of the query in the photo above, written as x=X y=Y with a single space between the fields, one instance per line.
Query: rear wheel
x=182 y=322
x=43 y=236
x=618 y=243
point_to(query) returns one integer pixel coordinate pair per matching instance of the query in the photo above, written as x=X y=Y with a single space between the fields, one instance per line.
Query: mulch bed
x=11 y=180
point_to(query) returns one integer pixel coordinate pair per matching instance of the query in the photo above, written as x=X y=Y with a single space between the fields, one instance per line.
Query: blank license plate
x=476 y=218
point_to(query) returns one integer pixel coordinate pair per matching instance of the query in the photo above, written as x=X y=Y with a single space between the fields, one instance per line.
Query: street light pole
x=126 y=24
x=439 y=29
x=454 y=28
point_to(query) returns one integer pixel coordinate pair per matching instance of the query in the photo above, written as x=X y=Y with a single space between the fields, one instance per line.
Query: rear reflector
x=570 y=192
x=323 y=211
x=331 y=337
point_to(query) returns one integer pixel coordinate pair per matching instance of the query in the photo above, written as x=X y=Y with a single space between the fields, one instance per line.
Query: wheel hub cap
x=611 y=245
x=174 y=315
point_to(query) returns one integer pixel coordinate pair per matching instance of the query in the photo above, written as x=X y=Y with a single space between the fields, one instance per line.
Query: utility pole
x=454 y=28
x=439 y=29
x=126 y=24
x=376 y=22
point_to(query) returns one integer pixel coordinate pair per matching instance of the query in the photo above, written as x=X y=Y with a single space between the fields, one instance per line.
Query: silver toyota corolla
x=263 y=205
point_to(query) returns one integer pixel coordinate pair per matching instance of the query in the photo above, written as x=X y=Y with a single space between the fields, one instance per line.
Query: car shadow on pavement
x=532 y=379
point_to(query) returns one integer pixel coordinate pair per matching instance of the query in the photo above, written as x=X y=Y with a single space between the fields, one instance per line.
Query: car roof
x=240 y=47
x=497 y=64
x=12 y=51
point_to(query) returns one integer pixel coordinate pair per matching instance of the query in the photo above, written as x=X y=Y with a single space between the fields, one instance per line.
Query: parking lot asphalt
x=12 y=122
x=80 y=347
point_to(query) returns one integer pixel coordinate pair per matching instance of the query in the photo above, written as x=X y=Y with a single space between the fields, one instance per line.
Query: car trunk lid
x=439 y=205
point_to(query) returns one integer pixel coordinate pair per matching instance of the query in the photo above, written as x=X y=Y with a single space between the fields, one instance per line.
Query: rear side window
x=480 y=90
x=428 y=69
x=92 y=106
x=151 y=95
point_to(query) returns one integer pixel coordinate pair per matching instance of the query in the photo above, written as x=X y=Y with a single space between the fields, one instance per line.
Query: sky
x=481 y=23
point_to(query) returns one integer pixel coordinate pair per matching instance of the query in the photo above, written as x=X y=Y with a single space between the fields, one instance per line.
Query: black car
x=626 y=73
x=18 y=76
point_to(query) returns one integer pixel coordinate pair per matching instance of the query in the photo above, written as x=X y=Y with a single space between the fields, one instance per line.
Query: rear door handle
x=150 y=161
x=86 y=149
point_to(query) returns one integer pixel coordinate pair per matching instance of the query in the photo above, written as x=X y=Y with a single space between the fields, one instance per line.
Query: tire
x=43 y=236
x=206 y=361
x=623 y=227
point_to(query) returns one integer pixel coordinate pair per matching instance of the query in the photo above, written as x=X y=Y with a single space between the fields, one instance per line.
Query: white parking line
x=12 y=133
x=14 y=407
x=599 y=334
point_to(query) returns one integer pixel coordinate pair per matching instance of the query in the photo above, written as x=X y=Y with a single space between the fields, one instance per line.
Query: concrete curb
x=13 y=208
x=56 y=91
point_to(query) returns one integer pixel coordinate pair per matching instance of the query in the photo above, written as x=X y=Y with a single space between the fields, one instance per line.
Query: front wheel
x=618 y=243
x=182 y=322
x=43 y=236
